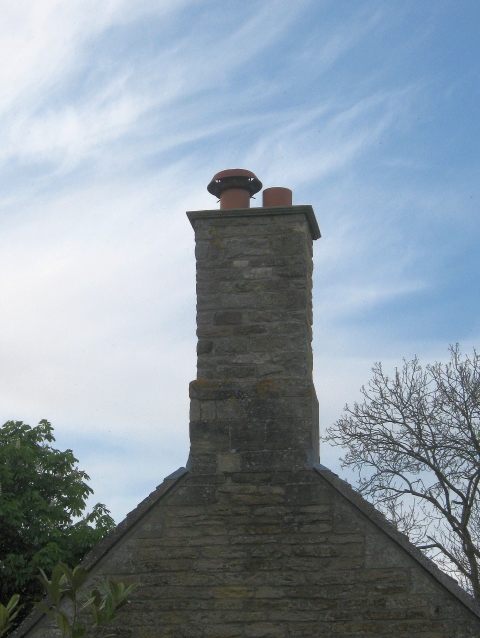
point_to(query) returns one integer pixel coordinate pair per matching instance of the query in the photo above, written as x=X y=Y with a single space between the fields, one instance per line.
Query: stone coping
x=306 y=210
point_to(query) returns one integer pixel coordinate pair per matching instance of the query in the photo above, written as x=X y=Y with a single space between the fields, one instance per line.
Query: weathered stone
x=235 y=289
x=227 y=317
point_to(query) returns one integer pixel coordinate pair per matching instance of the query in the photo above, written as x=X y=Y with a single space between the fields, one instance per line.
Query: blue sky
x=114 y=117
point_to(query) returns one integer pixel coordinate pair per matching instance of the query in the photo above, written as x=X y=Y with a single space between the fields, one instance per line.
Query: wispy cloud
x=115 y=115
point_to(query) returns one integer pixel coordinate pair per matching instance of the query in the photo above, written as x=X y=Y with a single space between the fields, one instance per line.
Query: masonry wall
x=273 y=554
x=253 y=404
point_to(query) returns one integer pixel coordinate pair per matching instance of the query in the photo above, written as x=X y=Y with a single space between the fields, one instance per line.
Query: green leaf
x=109 y=605
x=94 y=612
x=53 y=587
x=80 y=575
x=87 y=603
x=4 y=617
x=102 y=601
x=78 y=629
x=44 y=580
x=62 y=622
x=131 y=587
x=13 y=602
x=122 y=598
x=117 y=589
x=68 y=574
x=97 y=596
x=58 y=574
x=15 y=614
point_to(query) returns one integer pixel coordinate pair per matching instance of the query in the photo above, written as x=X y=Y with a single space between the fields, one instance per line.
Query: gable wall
x=273 y=554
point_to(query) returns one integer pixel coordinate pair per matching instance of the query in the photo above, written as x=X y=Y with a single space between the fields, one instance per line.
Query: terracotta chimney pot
x=277 y=196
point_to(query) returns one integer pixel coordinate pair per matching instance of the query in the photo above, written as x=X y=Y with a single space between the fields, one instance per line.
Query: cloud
x=92 y=287
x=89 y=101
x=115 y=115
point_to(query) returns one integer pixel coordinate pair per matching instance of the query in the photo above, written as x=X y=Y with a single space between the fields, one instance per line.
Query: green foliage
x=88 y=612
x=8 y=614
x=42 y=492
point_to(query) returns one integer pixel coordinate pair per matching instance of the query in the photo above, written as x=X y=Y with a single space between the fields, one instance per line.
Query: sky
x=115 y=115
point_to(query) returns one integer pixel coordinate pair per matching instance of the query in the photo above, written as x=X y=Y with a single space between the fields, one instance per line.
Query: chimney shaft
x=253 y=404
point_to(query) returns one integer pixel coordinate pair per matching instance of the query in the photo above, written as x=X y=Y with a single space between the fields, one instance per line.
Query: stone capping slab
x=368 y=510
x=115 y=536
x=306 y=210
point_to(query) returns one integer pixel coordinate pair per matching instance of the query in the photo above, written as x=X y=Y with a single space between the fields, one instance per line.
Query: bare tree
x=415 y=444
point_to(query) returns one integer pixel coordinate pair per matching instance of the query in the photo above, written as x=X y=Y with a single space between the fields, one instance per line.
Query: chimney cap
x=234 y=178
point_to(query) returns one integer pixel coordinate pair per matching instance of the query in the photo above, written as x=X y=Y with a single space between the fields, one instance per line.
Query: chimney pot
x=234 y=187
x=277 y=196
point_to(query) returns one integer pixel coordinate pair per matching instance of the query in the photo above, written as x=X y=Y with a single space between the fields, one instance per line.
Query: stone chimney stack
x=253 y=404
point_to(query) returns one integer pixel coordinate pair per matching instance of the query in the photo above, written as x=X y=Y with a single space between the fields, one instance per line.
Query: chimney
x=253 y=404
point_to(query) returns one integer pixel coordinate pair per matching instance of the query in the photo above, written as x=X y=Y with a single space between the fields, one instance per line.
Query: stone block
x=124 y=560
x=209 y=436
x=215 y=390
x=232 y=345
x=224 y=630
x=280 y=460
x=208 y=331
x=258 y=630
x=194 y=495
x=308 y=494
x=240 y=370
x=241 y=248
x=249 y=329
x=227 y=317
x=202 y=463
x=228 y=462
x=204 y=346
